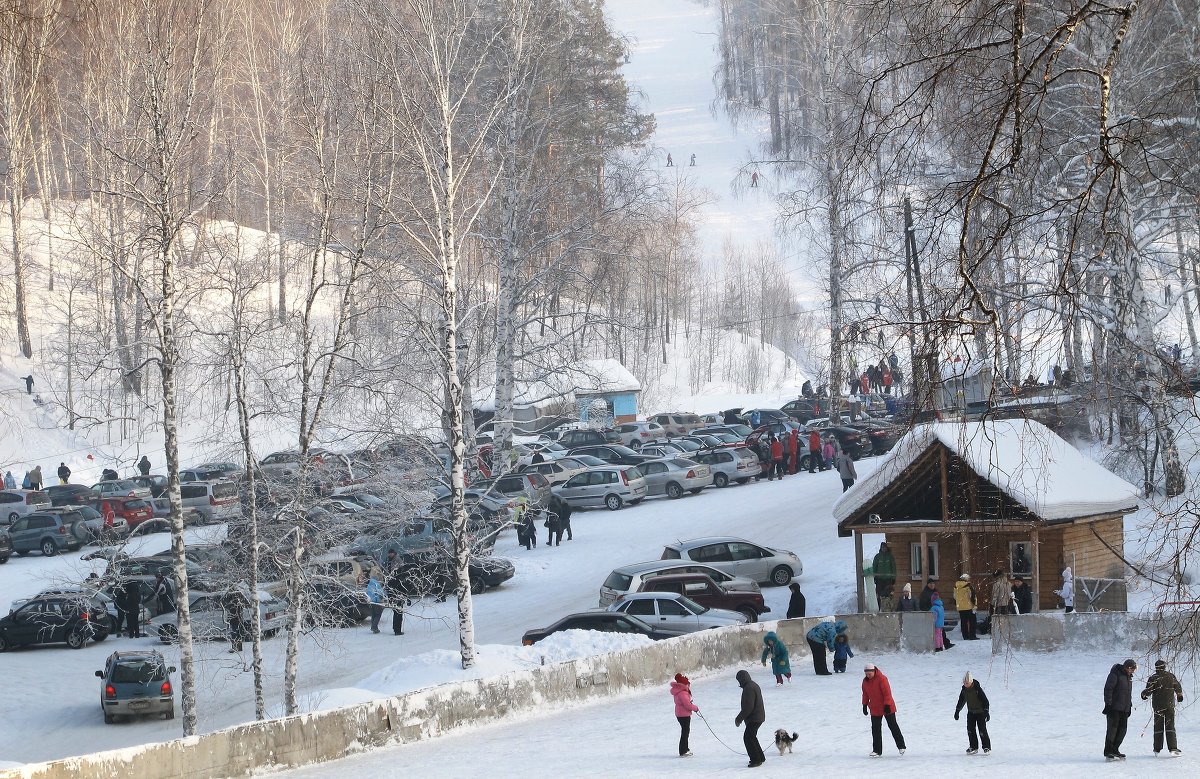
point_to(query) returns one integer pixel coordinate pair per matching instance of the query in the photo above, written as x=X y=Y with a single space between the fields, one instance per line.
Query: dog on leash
x=784 y=741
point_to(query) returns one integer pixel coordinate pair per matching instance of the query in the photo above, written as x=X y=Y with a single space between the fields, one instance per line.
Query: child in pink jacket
x=681 y=691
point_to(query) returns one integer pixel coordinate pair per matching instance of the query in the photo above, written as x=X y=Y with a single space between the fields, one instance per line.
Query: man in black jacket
x=1118 y=705
x=754 y=714
x=925 y=601
x=1165 y=691
x=133 y=607
x=978 y=713
x=1022 y=596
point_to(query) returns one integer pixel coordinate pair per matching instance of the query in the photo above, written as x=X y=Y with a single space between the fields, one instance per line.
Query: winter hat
x=965 y=577
x=681 y=679
x=1160 y=665
x=968 y=679
x=908 y=588
x=1130 y=663
x=869 y=667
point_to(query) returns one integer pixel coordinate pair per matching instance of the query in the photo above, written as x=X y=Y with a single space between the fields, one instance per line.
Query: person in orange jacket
x=877 y=702
x=794 y=450
x=814 y=451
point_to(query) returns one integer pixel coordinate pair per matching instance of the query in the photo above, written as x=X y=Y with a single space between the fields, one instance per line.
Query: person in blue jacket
x=777 y=651
x=940 y=641
x=375 y=597
x=821 y=638
x=841 y=653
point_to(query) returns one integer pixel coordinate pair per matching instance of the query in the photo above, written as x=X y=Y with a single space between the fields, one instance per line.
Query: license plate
x=639 y=491
x=139 y=704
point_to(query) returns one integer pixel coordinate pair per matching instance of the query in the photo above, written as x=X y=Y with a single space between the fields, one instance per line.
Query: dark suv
x=805 y=409
x=572 y=438
x=53 y=620
x=49 y=533
x=136 y=683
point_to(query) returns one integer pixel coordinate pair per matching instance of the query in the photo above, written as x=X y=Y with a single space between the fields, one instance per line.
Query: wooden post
x=860 y=584
x=943 y=457
x=1037 y=570
x=964 y=552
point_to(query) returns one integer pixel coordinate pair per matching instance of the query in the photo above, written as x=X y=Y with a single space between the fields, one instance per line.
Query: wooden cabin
x=977 y=497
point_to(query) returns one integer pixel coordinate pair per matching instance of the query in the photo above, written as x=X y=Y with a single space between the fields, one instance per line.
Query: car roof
x=708 y=540
x=650 y=595
x=651 y=565
x=145 y=654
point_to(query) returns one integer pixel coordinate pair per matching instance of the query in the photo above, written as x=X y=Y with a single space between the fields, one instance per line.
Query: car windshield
x=588 y=460
x=691 y=605
x=687 y=446
x=138 y=672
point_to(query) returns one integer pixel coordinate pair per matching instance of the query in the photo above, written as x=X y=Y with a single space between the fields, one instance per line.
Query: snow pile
x=442 y=666
x=1025 y=459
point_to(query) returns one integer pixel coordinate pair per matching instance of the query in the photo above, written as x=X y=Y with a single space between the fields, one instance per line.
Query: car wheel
x=12 y=517
x=76 y=638
x=3 y=560
x=49 y=548
x=750 y=614
x=721 y=480
x=674 y=491
x=696 y=491
x=781 y=576
x=477 y=586
x=169 y=715
x=109 y=719
x=613 y=502
x=4 y=645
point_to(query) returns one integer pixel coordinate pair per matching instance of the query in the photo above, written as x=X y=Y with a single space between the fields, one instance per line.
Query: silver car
x=674 y=476
x=671 y=612
x=629 y=578
x=210 y=622
x=121 y=488
x=611 y=486
x=740 y=465
x=739 y=557
x=635 y=435
x=17 y=503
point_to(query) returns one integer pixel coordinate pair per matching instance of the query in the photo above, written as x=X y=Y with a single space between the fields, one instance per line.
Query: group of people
x=385 y=590
x=34 y=480
x=1162 y=689
x=556 y=519
x=876 y=378
x=671 y=161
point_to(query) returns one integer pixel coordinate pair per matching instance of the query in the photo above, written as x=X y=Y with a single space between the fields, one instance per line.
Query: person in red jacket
x=681 y=691
x=814 y=450
x=776 y=459
x=864 y=382
x=878 y=703
x=794 y=451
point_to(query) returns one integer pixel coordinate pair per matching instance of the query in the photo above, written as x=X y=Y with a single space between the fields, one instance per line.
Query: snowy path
x=673 y=57
x=1046 y=722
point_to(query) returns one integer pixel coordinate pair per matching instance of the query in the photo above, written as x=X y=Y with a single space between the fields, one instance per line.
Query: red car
x=133 y=510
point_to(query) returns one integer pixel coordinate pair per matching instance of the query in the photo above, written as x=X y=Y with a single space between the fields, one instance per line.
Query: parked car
x=574 y=438
x=334 y=604
x=629 y=578
x=739 y=557
x=136 y=683
x=850 y=440
x=674 y=613
x=739 y=465
x=804 y=409
x=216 y=501
x=880 y=436
x=48 y=533
x=542 y=451
x=703 y=442
x=674 y=476
x=20 y=503
x=99 y=527
x=430 y=571
x=603 y=621
x=703 y=590
x=677 y=423
x=635 y=434
x=534 y=487
x=611 y=486
x=665 y=449
x=741 y=431
x=558 y=471
x=765 y=416
x=5 y=547
x=69 y=494
x=687 y=447
x=346 y=571
x=121 y=488
x=155 y=483
x=135 y=567
x=134 y=511
x=227 y=470
x=210 y=621
x=53 y=620
x=100 y=600
x=613 y=454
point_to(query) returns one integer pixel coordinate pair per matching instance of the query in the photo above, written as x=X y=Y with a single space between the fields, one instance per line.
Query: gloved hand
x=987 y=716
x=1106 y=711
x=865 y=712
x=887 y=709
x=956 y=716
x=737 y=721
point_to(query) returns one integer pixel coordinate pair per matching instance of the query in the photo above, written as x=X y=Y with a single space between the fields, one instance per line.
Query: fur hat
x=682 y=679
x=968 y=679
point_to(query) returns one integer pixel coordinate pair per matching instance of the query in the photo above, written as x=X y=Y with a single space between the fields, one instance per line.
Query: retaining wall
x=421 y=714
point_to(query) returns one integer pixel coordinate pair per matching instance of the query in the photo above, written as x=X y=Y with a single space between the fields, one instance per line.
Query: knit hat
x=681 y=679
x=968 y=679
x=869 y=667
x=1160 y=665
x=1130 y=663
x=908 y=588
x=965 y=577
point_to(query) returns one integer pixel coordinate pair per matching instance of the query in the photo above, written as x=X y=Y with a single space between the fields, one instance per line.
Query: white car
x=671 y=612
x=17 y=503
x=611 y=486
x=562 y=469
x=210 y=622
x=635 y=435
x=740 y=465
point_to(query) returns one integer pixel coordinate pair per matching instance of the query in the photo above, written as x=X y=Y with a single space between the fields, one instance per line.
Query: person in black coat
x=133 y=608
x=1022 y=595
x=1118 y=705
x=563 y=510
x=796 y=604
x=925 y=601
x=754 y=714
x=978 y=713
x=64 y=473
x=554 y=530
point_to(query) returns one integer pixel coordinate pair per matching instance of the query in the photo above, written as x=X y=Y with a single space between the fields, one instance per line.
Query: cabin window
x=917 y=565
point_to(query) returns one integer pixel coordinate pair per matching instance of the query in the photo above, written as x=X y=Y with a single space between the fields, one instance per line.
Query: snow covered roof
x=1024 y=459
x=608 y=375
x=586 y=377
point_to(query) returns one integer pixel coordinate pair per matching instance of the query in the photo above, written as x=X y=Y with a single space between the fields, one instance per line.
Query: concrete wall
x=329 y=735
x=1122 y=632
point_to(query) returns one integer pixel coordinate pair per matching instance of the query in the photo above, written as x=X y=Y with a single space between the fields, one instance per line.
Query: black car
x=880 y=437
x=806 y=409
x=5 y=547
x=430 y=571
x=852 y=441
x=614 y=454
x=765 y=416
x=71 y=494
x=53 y=620
x=604 y=621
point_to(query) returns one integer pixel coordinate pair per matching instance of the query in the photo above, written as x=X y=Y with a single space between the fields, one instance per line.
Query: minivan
x=629 y=578
x=217 y=501
x=610 y=486
x=18 y=503
x=48 y=533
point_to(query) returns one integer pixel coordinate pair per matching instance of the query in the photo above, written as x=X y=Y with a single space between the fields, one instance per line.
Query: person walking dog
x=681 y=691
x=754 y=714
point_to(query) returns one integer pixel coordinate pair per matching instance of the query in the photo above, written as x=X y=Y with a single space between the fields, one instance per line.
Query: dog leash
x=714 y=734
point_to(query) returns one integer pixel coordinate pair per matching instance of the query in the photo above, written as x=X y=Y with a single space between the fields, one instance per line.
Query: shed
x=976 y=497
x=609 y=385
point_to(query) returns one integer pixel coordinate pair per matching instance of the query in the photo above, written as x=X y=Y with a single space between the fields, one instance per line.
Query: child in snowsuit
x=978 y=713
x=681 y=691
x=780 y=665
x=841 y=653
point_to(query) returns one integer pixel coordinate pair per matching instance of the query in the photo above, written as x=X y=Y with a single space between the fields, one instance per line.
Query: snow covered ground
x=1046 y=722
